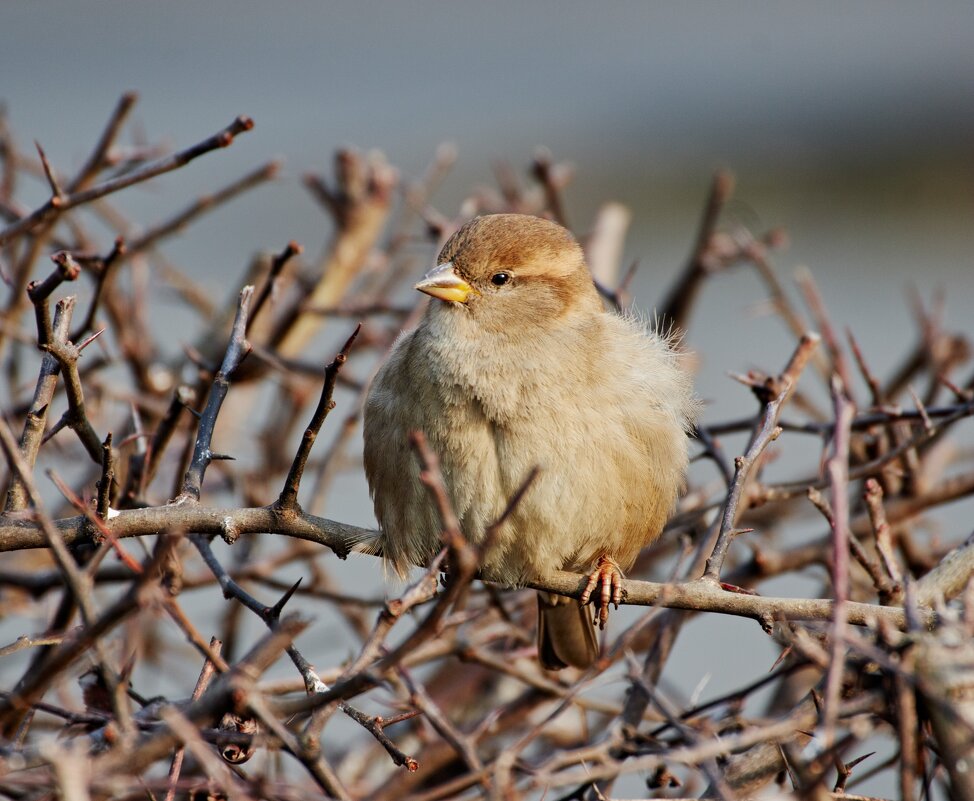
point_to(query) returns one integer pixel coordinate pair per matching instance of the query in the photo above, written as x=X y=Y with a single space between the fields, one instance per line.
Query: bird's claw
x=608 y=574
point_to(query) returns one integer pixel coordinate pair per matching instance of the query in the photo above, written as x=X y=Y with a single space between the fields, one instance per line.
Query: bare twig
x=201 y=683
x=767 y=431
x=236 y=351
x=678 y=302
x=288 y=498
x=837 y=469
x=81 y=196
x=278 y=264
x=30 y=439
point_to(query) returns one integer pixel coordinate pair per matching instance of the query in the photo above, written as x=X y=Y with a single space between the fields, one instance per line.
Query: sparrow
x=517 y=365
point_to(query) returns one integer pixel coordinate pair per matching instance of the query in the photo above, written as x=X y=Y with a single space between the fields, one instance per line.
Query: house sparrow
x=516 y=364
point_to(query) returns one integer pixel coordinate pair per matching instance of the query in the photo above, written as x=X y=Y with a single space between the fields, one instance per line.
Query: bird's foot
x=608 y=574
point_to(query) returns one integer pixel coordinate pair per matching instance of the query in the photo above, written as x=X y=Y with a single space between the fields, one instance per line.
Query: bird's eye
x=499 y=279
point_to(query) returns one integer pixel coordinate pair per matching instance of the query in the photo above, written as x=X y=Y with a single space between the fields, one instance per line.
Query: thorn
x=49 y=174
x=627 y=278
x=275 y=611
x=61 y=423
x=737 y=590
x=746 y=380
x=91 y=339
x=962 y=395
x=927 y=422
x=857 y=760
x=137 y=437
x=197 y=358
x=343 y=353
x=781 y=658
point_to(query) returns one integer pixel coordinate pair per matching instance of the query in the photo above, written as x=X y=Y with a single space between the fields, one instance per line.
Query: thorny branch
x=59 y=205
x=444 y=678
x=236 y=352
x=289 y=495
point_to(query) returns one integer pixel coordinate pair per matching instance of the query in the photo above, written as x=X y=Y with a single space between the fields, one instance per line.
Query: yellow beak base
x=444 y=284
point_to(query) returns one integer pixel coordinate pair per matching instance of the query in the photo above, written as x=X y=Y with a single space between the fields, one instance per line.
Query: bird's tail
x=566 y=633
x=362 y=540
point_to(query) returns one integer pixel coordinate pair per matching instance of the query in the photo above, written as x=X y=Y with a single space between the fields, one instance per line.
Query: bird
x=516 y=365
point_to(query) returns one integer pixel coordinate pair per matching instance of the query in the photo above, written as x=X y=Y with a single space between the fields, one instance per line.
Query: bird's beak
x=441 y=282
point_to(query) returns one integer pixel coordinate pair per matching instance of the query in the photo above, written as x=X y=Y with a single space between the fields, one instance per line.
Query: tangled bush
x=114 y=545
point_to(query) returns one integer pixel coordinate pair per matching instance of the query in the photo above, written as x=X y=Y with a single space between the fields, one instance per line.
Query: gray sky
x=675 y=82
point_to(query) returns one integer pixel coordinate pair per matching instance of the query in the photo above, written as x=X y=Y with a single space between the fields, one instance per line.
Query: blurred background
x=850 y=125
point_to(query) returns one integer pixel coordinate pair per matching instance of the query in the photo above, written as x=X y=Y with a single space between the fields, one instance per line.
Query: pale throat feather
x=482 y=367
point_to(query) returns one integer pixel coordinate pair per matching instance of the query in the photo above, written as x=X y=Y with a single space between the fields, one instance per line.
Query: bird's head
x=511 y=270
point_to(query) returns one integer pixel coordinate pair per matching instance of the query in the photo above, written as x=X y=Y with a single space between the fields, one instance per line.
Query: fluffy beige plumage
x=516 y=364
